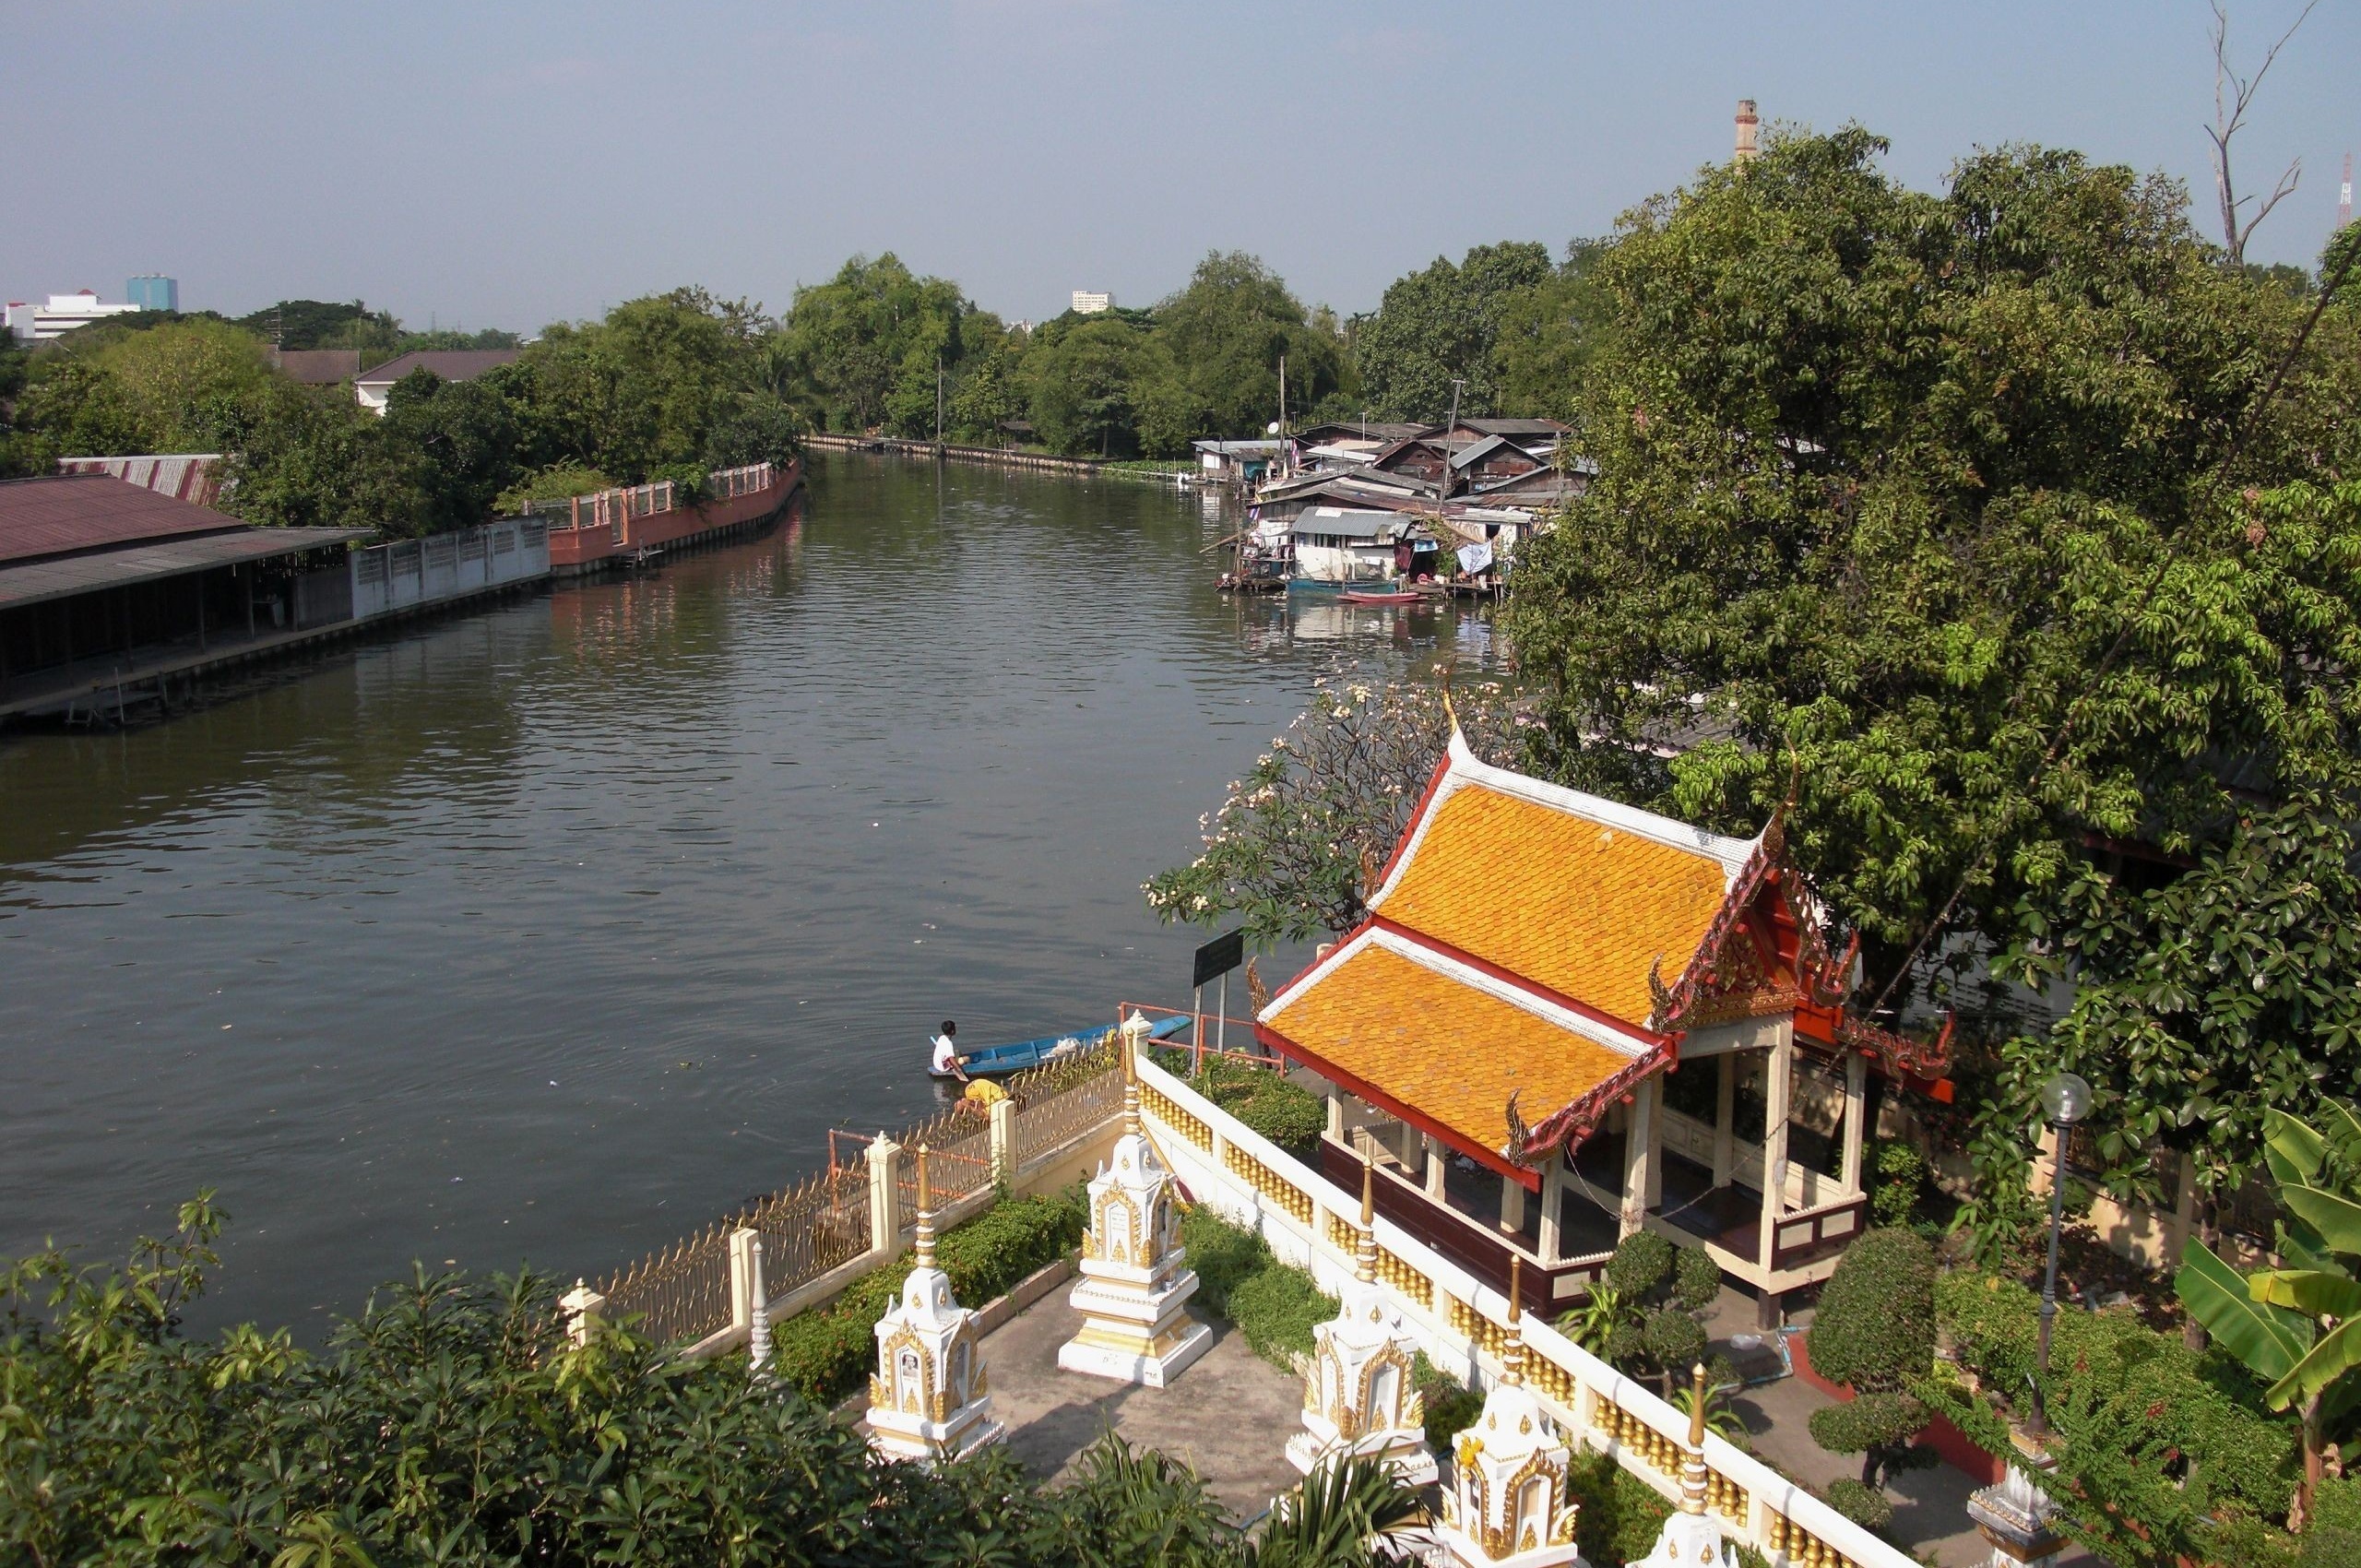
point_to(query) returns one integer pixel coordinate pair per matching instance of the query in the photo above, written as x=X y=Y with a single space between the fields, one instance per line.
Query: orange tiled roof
x=1449 y=1050
x=1562 y=899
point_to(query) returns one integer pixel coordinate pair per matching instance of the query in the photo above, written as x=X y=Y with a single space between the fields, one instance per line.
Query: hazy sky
x=507 y=165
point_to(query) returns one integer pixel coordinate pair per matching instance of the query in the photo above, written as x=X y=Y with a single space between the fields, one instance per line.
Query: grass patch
x=1273 y=1304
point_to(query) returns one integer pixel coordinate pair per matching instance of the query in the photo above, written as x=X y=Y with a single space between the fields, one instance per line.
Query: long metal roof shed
x=72 y=514
x=62 y=577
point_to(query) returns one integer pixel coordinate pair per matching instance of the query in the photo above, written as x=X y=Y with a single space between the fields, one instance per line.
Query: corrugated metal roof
x=65 y=513
x=1344 y=524
x=34 y=581
x=183 y=476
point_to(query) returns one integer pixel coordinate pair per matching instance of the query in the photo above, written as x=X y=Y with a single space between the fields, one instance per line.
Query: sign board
x=1219 y=957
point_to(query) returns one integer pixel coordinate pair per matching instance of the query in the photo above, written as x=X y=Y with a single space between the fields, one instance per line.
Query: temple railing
x=1460 y=1321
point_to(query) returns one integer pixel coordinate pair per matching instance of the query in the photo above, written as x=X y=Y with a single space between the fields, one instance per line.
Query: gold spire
x=1692 y=1463
x=1365 y=1263
x=1513 y=1357
x=926 y=1215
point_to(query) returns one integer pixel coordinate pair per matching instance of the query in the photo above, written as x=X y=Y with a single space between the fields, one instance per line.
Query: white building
x=1088 y=303
x=62 y=315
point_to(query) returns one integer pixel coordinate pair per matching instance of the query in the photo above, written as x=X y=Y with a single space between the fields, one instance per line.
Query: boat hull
x=999 y=1060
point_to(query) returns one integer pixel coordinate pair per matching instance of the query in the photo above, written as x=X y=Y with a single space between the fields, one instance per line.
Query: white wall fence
x=1462 y=1325
x=414 y=572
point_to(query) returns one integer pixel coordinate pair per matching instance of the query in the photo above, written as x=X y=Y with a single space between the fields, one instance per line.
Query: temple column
x=1639 y=1142
x=1435 y=1168
x=1777 y=1087
x=1655 y=1142
x=1856 y=1103
x=1725 y=1120
x=1335 y=1113
x=1511 y=1205
x=1553 y=1200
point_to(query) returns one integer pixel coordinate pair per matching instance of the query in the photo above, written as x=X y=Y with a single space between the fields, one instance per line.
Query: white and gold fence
x=1310 y=1221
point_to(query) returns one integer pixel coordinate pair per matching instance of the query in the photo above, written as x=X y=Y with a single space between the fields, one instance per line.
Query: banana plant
x=2298 y=1326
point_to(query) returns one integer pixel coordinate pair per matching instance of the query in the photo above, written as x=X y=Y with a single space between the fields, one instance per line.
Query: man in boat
x=946 y=1052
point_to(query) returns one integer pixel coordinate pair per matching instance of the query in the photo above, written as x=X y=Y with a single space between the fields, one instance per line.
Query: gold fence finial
x=1365 y=1253
x=1692 y=1464
x=1513 y=1356
x=926 y=1214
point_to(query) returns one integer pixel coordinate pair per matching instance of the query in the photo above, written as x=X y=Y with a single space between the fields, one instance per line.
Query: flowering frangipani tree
x=1299 y=842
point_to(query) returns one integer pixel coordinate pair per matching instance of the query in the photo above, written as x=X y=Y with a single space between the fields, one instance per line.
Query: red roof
x=67 y=513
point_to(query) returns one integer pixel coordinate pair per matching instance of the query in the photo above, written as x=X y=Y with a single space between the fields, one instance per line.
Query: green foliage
x=1224 y=334
x=1451 y=1406
x=1095 y=381
x=1291 y=847
x=1622 y=1515
x=1288 y=1114
x=467 y=436
x=1449 y=321
x=1875 y=1328
x=1696 y=1279
x=558 y=484
x=2158 y=1430
x=1640 y=1262
x=1273 y=1304
x=318 y=323
x=823 y=1353
x=1896 y=485
x=2334 y=1537
x=1672 y=1339
x=1277 y=1310
x=869 y=339
x=1878 y=1427
x=1342 y=1513
x=1901 y=1178
x=1864 y=1505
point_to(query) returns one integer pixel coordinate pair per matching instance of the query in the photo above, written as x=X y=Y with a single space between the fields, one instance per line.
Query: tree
x=1090 y=378
x=1445 y=322
x=2233 y=96
x=1547 y=333
x=1297 y=844
x=326 y=462
x=1875 y=1331
x=1970 y=512
x=2298 y=1327
x=867 y=342
x=1227 y=332
x=467 y=436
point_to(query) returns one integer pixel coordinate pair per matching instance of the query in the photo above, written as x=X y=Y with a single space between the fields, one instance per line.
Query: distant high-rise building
x=152 y=290
x=1087 y=304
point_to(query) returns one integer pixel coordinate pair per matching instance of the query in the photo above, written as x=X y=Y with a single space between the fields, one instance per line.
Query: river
x=551 y=929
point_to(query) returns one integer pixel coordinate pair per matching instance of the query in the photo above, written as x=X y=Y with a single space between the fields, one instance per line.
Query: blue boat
x=999 y=1060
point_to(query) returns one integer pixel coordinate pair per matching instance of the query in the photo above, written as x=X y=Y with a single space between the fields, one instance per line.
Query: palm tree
x=1344 y=1515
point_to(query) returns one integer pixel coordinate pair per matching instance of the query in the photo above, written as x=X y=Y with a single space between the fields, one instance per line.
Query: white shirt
x=945 y=1051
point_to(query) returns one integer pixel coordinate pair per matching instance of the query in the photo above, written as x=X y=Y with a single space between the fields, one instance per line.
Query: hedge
x=1288 y=1114
x=825 y=1353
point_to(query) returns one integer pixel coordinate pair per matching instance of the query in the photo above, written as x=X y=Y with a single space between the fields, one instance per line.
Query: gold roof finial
x=926 y=1214
x=1692 y=1464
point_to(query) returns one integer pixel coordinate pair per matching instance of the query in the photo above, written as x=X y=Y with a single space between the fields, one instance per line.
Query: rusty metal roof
x=66 y=514
x=30 y=582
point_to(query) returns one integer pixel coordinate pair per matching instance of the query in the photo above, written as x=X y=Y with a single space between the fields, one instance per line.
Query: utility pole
x=1283 y=415
x=1443 y=488
x=938 y=400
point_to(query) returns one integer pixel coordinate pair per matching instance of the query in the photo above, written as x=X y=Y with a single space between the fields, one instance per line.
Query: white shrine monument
x=1135 y=1285
x=1691 y=1539
x=928 y=1400
x=1357 y=1393
x=1507 y=1506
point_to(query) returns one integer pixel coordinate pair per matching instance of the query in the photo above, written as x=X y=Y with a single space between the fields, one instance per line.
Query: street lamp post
x=2065 y=1099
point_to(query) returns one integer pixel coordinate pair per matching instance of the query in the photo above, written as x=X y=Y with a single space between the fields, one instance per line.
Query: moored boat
x=999 y=1060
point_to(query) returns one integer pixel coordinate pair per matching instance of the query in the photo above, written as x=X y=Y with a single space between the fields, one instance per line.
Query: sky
x=511 y=162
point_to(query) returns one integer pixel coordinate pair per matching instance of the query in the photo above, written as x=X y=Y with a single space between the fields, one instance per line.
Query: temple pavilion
x=1565 y=1020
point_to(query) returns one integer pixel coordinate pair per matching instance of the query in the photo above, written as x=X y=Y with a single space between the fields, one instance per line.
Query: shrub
x=1451 y=1406
x=1878 y=1427
x=1866 y=1506
x=1901 y=1178
x=1876 y=1322
x=1672 y=1339
x=689 y=481
x=823 y=1353
x=1642 y=1261
x=1275 y=1305
x=1277 y=1310
x=2109 y=1373
x=1696 y=1279
x=2334 y=1536
x=1288 y=1114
